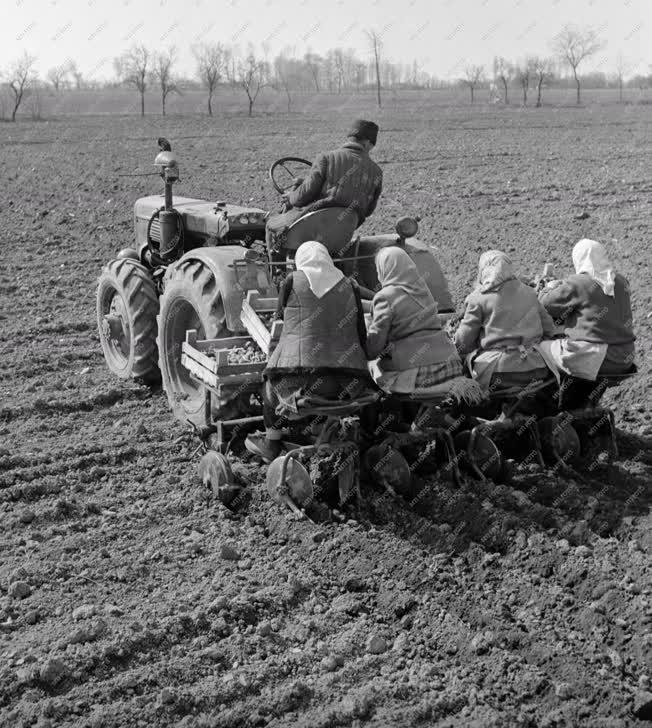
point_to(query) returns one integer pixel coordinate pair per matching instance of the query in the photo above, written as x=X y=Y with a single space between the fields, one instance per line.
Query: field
x=121 y=602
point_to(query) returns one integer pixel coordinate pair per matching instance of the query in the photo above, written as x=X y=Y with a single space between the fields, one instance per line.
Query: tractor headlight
x=407 y=227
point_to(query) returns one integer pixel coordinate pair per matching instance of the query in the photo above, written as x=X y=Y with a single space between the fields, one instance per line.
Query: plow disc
x=215 y=471
x=559 y=440
x=387 y=467
x=217 y=476
x=289 y=484
x=480 y=456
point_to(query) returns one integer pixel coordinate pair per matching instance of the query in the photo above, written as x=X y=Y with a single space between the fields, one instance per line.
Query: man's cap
x=364 y=130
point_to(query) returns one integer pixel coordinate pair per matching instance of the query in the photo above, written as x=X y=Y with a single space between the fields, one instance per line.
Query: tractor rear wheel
x=127 y=304
x=191 y=300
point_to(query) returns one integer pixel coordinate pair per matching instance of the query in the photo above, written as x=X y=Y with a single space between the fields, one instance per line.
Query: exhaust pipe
x=168 y=217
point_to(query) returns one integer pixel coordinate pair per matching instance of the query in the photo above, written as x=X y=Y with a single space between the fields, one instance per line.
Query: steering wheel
x=281 y=169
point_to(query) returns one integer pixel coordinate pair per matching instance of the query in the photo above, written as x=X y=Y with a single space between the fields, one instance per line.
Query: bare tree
x=360 y=75
x=211 y=61
x=230 y=70
x=540 y=70
x=338 y=59
x=573 y=45
x=57 y=76
x=34 y=101
x=19 y=79
x=622 y=69
x=78 y=76
x=328 y=71
x=503 y=72
x=251 y=75
x=376 y=47
x=288 y=75
x=473 y=76
x=523 y=71
x=162 y=74
x=313 y=62
x=414 y=77
x=131 y=68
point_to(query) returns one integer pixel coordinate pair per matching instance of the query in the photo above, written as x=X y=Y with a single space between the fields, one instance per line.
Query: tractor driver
x=345 y=177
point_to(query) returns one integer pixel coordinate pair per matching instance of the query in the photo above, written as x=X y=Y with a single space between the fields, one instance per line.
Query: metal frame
x=353 y=446
x=431 y=435
x=436 y=433
x=514 y=422
x=598 y=414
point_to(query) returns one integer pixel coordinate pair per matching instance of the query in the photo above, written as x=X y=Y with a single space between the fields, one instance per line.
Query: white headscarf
x=395 y=268
x=494 y=269
x=590 y=257
x=314 y=260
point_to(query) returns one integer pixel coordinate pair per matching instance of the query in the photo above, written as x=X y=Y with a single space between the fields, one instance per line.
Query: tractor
x=200 y=286
x=192 y=267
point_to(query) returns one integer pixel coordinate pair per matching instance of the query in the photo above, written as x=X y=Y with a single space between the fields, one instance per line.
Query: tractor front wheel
x=127 y=304
x=191 y=300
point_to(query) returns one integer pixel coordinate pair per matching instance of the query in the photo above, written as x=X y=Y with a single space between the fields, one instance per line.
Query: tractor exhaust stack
x=168 y=216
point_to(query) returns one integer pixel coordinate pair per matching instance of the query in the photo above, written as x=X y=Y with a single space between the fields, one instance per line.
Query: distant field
x=125 y=101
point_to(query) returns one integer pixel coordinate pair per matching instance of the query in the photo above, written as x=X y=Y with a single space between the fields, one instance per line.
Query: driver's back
x=345 y=177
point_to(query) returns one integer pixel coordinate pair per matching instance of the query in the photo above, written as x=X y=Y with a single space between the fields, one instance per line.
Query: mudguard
x=421 y=254
x=220 y=260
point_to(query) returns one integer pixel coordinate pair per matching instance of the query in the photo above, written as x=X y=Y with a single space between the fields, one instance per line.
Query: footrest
x=432 y=400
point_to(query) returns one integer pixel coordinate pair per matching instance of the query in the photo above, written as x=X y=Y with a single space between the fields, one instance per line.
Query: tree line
x=337 y=71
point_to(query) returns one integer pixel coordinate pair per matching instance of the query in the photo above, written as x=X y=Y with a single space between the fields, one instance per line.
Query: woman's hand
x=553 y=284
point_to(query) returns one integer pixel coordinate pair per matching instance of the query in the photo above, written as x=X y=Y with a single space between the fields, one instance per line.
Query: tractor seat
x=429 y=399
x=500 y=394
x=577 y=393
x=331 y=226
x=613 y=380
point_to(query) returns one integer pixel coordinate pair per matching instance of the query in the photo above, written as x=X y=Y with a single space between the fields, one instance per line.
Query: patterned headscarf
x=315 y=261
x=590 y=257
x=395 y=268
x=494 y=269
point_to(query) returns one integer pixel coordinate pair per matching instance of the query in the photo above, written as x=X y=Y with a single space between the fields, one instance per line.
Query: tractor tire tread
x=197 y=283
x=135 y=283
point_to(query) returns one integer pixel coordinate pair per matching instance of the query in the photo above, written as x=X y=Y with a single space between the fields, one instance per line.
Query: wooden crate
x=215 y=371
x=253 y=305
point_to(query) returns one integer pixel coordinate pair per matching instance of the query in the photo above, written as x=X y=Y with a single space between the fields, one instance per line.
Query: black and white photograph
x=326 y=364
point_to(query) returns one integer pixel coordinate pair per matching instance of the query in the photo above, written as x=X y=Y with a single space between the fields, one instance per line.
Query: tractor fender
x=423 y=256
x=430 y=270
x=220 y=261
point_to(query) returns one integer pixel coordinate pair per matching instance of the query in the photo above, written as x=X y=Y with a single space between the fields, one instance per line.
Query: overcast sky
x=442 y=35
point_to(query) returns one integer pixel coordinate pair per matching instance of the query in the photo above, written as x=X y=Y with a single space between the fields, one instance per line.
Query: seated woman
x=594 y=306
x=405 y=334
x=502 y=327
x=321 y=349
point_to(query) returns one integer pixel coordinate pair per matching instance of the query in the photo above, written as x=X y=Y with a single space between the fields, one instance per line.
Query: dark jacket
x=344 y=177
x=320 y=335
x=588 y=314
x=404 y=335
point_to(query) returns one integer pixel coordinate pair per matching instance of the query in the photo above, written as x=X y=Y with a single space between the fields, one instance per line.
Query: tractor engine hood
x=201 y=218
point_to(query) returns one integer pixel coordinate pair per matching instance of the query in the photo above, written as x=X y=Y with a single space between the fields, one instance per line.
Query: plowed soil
x=129 y=597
